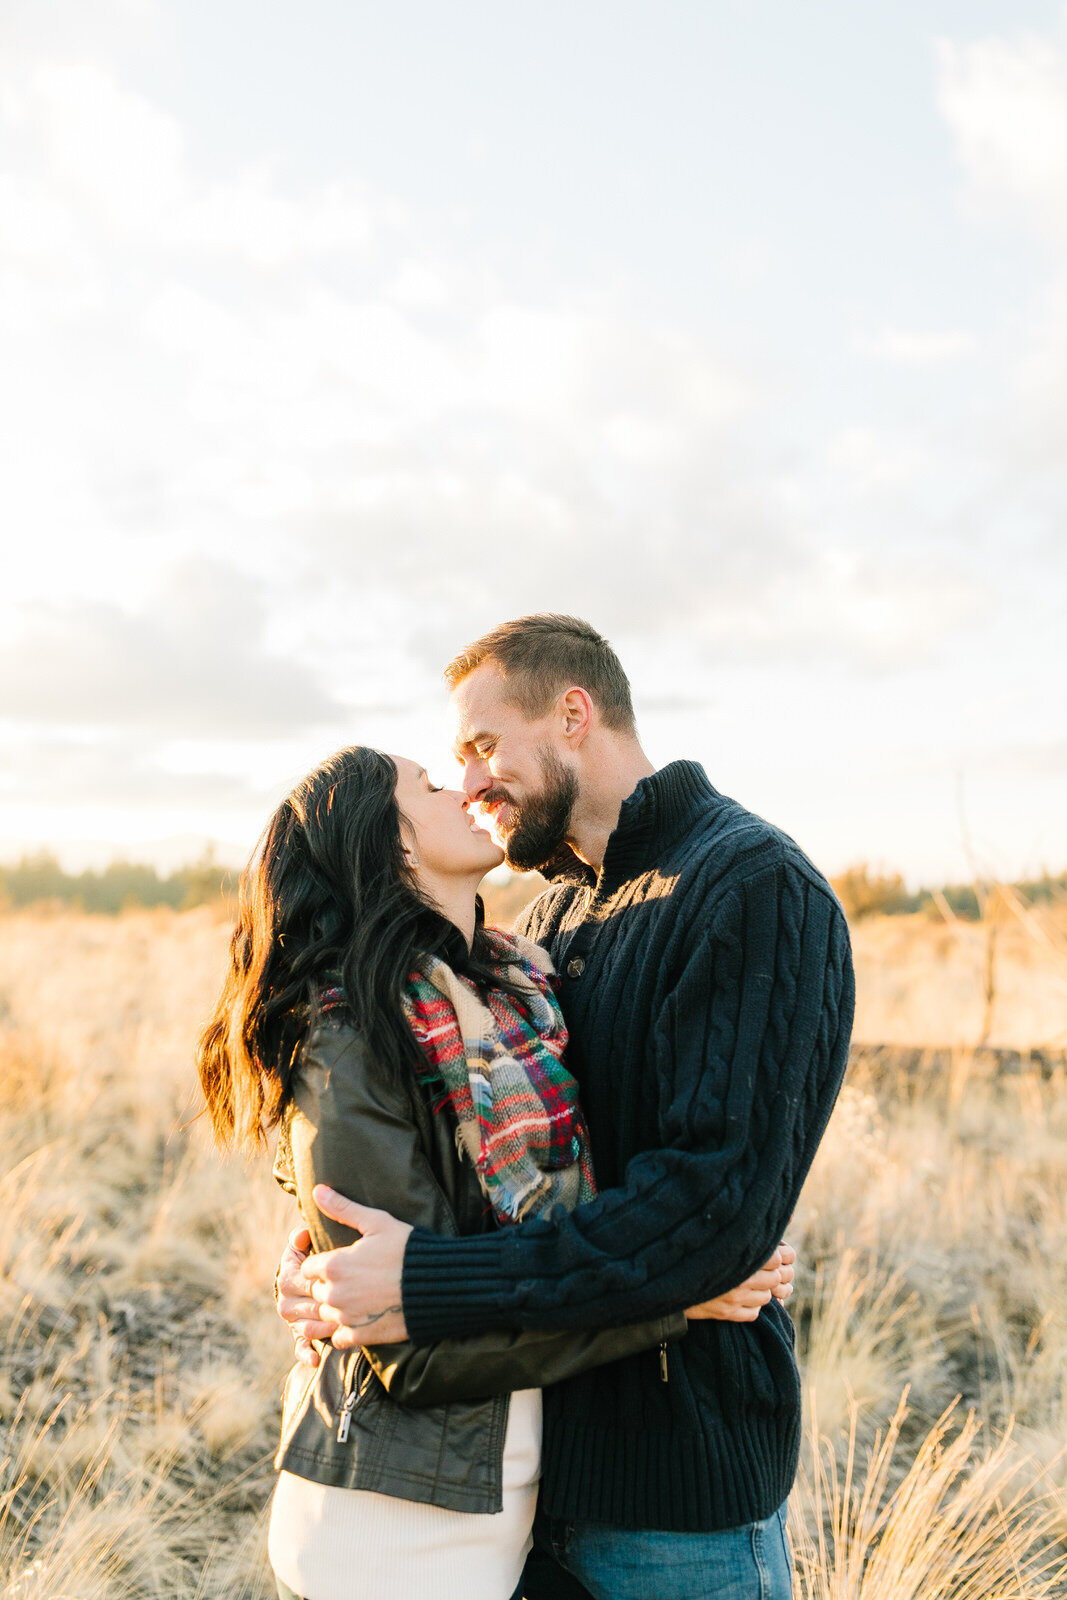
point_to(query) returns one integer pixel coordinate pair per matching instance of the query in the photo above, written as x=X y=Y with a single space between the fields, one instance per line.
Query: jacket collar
x=659 y=809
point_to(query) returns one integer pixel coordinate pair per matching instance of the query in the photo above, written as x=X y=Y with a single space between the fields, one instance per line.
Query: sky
x=332 y=335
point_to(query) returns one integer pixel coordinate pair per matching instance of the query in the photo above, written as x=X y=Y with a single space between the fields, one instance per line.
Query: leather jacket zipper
x=664 y=1375
x=348 y=1405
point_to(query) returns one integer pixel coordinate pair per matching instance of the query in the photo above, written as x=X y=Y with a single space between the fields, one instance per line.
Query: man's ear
x=576 y=711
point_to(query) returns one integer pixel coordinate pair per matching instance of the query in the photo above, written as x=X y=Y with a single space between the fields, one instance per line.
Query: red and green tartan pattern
x=498 y=1057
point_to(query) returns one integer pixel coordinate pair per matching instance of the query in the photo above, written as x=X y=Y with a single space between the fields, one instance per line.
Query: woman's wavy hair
x=328 y=891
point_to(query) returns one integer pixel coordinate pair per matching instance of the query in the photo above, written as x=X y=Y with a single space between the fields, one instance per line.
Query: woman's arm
x=498 y=1362
x=350 y=1127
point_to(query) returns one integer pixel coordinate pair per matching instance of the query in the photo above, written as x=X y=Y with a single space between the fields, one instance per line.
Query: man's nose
x=477 y=778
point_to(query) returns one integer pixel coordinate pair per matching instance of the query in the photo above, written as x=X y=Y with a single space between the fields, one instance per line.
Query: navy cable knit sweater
x=707 y=984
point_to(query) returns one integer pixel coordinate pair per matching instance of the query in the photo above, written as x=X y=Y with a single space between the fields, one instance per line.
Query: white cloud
x=1004 y=100
x=121 y=163
x=83 y=29
x=248 y=219
x=1006 y=103
x=878 y=612
x=873 y=460
x=117 y=767
x=109 y=151
x=297 y=380
x=906 y=348
x=417 y=284
x=190 y=662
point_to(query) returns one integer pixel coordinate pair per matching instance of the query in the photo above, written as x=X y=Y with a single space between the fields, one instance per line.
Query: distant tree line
x=865 y=893
x=40 y=878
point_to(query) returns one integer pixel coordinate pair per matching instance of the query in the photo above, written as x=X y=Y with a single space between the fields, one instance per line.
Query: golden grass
x=140 y=1357
x=926 y=982
x=140 y=1360
x=962 y=1523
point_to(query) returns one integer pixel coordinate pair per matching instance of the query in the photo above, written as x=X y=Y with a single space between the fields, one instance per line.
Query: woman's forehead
x=406 y=768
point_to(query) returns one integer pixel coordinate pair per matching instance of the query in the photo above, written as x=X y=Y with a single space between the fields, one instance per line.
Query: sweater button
x=575 y=968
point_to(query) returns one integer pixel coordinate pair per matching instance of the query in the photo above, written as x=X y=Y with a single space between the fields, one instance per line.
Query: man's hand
x=294 y=1301
x=357 y=1288
x=744 y=1304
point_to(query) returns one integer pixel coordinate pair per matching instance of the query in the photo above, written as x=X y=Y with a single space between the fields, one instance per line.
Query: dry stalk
x=962 y=1524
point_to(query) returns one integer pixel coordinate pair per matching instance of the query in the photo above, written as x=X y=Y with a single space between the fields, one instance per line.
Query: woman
x=413 y=1060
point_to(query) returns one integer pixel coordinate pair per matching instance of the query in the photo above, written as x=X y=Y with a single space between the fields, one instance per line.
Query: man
x=706 y=980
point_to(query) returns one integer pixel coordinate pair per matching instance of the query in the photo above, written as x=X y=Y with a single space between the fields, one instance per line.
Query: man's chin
x=543 y=860
x=514 y=855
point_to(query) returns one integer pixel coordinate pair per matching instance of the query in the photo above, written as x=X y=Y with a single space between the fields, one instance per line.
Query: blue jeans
x=747 y=1563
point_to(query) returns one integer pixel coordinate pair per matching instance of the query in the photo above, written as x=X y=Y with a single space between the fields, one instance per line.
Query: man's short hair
x=542 y=655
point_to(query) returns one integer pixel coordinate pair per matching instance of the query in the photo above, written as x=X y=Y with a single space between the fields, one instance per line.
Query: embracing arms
x=749 y=1045
x=354 y=1129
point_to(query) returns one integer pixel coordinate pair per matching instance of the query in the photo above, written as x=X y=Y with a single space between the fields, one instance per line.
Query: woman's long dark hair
x=328 y=891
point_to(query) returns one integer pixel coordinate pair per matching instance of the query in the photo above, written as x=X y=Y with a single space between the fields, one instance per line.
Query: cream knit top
x=351 y=1544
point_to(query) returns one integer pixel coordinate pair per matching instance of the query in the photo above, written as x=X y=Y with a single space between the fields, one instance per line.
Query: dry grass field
x=140 y=1359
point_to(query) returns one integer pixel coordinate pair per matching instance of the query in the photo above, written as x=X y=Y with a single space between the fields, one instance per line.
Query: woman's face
x=443 y=838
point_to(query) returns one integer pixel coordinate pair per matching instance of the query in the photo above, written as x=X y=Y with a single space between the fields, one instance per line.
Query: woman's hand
x=744 y=1304
x=294 y=1300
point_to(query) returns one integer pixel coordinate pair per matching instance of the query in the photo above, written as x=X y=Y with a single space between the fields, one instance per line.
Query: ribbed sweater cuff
x=451 y=1287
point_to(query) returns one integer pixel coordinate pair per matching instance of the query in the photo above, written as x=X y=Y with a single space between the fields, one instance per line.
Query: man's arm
x=442 y=1371
x=750 y=1047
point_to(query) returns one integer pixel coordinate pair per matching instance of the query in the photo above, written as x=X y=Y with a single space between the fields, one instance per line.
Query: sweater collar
x=659 y=809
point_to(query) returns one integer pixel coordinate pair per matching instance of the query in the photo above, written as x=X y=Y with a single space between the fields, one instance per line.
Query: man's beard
x=537 y=830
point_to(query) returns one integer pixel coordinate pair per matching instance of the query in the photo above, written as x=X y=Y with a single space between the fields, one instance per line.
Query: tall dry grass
x=140 y=1359
x=929 y=1230
x=961 y=1523
x=139 y=1354
x=1000 y=981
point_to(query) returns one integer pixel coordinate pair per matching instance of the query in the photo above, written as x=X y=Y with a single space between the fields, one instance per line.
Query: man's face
x=514 y=769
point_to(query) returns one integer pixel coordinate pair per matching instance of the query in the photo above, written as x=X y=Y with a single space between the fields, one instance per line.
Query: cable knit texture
x=707 y=984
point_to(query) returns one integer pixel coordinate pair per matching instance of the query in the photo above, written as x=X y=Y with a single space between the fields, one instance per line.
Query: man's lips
x=495 y=810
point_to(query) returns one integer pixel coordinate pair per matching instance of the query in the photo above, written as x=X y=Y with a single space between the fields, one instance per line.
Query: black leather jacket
x=420 y=1423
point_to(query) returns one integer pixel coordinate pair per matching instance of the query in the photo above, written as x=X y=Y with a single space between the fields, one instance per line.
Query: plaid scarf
x=498 y=1061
